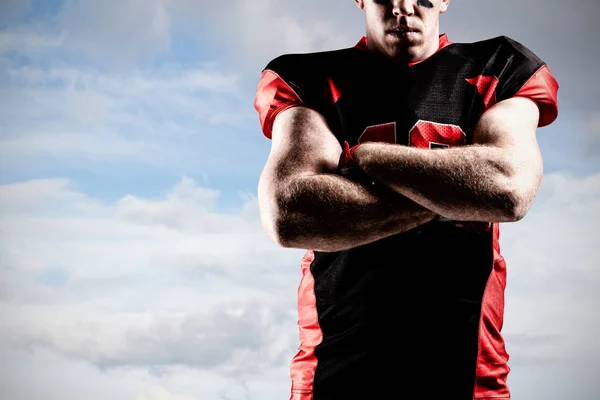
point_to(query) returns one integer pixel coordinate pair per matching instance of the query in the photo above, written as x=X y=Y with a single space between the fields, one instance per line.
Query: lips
x=402 y=29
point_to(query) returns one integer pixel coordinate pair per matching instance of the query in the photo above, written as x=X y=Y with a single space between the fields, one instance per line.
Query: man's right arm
x=305 y=204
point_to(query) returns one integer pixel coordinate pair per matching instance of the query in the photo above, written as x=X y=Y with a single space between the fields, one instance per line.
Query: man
x=393 y=162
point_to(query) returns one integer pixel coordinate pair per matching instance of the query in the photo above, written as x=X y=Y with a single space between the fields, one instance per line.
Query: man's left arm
x=495 y=179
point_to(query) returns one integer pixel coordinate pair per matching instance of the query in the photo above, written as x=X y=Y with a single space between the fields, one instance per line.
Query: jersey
x=421 y=311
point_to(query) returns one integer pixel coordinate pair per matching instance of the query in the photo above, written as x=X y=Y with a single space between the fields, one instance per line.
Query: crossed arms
x=305 y=204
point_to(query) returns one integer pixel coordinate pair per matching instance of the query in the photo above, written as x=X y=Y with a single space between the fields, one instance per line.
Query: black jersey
x=422 y=311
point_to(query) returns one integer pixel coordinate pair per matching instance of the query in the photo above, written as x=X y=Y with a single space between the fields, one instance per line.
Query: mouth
x=401 y=30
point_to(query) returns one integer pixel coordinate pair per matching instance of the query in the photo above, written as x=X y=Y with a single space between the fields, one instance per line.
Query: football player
x=392 y=163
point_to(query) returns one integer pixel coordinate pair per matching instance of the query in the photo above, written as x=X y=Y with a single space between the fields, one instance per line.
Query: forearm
x=327 y=212
x=468 y=183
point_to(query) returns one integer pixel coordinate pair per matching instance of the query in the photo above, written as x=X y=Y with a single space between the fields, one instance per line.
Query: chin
x=400 y=48
x=404 y=42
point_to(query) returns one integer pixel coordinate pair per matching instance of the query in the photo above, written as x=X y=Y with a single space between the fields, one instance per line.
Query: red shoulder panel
x=542 y=88
x=273 y=95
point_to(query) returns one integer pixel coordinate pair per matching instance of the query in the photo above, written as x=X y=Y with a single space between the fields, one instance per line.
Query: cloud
x=60 y=378
x=165 y=117
x=145 y=283
x=185 y=222
x=116 y=34
x=252 y=33
x=143 y=287
x=25 y=41
x=236 y=338
x=246 y=35
x=590 y=144
x=550 y=322
x=177 y=294
x=160 y=393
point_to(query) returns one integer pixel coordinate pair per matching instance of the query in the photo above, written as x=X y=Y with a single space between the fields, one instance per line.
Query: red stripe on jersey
x=486 y=86
x=335 y=90
x=542 y=88
x=492 y=358
x=273 y=95
x=304 y=363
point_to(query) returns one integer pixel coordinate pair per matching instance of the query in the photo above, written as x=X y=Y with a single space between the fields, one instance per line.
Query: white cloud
x=150 y=289
x=266 y=29
x=143 y=286
x=185 y=224
x=253 y=32
x=590 y=139
x=223 y=337
x=116 y=34
x=173 y=298
x=551 y=295
x=160 y=393
x=558 y=234
x=134 y=83
x=39 y=374
x=165 y=117
x=26 y=41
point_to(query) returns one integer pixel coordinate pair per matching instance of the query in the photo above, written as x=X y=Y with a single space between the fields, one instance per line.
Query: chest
x=432 y=104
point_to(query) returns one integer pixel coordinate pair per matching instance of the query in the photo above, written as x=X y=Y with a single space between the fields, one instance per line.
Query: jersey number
x=424 y=134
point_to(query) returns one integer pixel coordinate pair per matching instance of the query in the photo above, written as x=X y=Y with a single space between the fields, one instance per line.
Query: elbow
x=277 y=229
x=276 y=225
x=518 y=191
x=517 y=210
x=507 y=208
x=517 y=203
x=272 y=211
x=285 y=232
x=280 y=217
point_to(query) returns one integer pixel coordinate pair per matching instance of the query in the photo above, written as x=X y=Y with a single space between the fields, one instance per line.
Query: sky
x=133 y=265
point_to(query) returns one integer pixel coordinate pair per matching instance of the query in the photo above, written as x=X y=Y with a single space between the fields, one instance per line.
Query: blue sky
x=132 y=261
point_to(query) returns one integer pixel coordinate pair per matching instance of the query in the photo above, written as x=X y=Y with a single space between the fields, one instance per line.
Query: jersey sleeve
x=283 y=84
x=526 y=75
x=273 y=95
